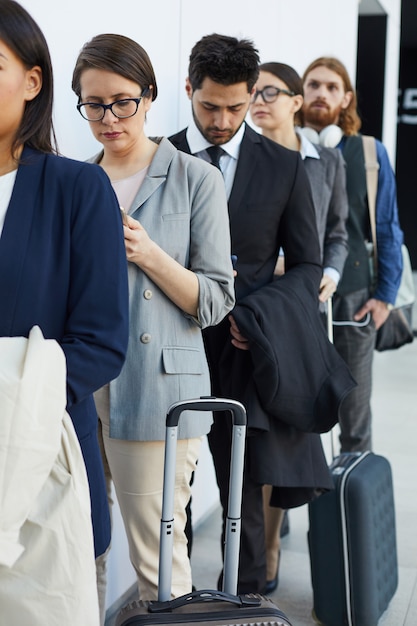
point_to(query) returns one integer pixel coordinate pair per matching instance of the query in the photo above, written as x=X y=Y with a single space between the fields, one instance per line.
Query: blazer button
x=147 y=294
x=145 y=337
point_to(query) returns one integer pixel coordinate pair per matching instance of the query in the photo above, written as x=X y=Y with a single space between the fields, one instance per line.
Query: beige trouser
x=136 y=468
x=273 y=517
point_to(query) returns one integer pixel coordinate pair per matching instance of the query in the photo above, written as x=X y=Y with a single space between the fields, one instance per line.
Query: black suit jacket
x=299 y=376
x=270 y=206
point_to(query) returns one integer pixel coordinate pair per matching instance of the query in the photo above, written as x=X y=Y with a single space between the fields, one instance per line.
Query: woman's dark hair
x=225 y=60
x=118 y=54
x=22 y=35
x=287 y=74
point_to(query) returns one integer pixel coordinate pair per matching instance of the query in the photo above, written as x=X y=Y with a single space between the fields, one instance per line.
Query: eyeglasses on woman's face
x=95 y=111
x=269 y=94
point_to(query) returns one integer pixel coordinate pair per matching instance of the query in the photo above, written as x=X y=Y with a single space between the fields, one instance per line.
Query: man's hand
x=238 y=340
x=327 y=288
x=378 y=310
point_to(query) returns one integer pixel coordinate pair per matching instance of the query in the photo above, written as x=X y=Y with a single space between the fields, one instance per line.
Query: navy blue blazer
x=63 y=267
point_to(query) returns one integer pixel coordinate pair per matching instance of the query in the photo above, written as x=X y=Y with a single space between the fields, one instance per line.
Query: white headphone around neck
x=328 y=137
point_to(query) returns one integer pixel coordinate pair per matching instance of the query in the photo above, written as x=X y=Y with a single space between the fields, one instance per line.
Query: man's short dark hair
x=225 y=60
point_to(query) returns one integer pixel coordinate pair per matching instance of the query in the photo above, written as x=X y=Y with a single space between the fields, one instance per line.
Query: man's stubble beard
x=213 y=140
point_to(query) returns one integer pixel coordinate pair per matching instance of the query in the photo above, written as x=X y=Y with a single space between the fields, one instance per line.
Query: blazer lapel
x=157 y=174
x=180 y=141
x=16 y=231
x=245 y=168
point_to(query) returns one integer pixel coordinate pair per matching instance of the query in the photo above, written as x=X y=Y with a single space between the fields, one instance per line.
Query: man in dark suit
x=270 y=207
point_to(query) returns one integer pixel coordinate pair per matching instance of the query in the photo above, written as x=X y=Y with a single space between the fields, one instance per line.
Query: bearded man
x=359 y=308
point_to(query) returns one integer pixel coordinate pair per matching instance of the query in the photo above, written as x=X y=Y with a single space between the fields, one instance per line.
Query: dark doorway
x=406 y=166
x=370 y=72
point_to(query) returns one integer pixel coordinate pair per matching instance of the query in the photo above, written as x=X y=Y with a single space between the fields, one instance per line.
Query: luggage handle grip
x=233 y=518
x=204 y=595
x=206 y=403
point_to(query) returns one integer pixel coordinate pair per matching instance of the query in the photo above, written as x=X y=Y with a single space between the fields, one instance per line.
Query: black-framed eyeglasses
x=95 y=111
x=270 y=94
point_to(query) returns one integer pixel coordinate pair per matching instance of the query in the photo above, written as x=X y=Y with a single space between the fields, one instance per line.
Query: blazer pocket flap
x=182 y=361
x=175 y=216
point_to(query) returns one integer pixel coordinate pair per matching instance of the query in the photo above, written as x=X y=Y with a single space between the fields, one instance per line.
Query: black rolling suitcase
x=352 y=542
x=352 y=539
x=217 y=608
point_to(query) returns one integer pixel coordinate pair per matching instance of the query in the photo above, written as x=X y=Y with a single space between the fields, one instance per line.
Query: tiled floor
x=395 y=436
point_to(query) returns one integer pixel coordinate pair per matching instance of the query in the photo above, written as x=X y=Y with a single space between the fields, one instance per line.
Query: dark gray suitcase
x=352 y=542
x=217 y=608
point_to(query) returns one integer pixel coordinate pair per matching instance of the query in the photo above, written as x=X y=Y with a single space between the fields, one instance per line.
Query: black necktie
x=215 y=153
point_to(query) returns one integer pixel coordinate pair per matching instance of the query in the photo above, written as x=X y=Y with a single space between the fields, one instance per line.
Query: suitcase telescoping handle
x=331 y=339
x=233 y=519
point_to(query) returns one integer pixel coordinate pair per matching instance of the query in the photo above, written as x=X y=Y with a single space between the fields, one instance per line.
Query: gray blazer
x=182 y=205
x=327 y=176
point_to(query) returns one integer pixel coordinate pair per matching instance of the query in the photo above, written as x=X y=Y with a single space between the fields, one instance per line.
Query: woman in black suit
x=274 y=110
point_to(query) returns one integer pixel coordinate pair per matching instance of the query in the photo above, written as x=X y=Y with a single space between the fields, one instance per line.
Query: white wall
x=167 y=29
x=291 y=32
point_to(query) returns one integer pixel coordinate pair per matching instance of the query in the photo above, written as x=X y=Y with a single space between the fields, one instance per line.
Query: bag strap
x=371 y=169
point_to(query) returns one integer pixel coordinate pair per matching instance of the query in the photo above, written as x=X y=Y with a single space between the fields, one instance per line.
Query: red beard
x=320 y=117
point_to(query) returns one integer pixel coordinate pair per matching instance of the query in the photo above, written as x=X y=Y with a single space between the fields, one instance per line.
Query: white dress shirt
x=228 y=161
x=6 y=188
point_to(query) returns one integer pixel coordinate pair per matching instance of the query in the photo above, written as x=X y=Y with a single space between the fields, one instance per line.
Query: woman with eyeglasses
x=181 y=281
x=274 y=109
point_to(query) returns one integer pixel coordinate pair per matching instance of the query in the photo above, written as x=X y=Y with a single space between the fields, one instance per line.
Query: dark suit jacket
x=270 y=206
x=299 y=376
x=63 y=267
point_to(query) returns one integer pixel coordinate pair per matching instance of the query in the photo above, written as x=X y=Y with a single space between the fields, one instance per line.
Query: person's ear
x=347 y=99
x=33 y=83
x=147 y=100
x=297 y=101
x=188 y=88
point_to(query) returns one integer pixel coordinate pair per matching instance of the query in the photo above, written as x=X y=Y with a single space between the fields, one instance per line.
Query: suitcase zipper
x=343 y=480
x=272 y=616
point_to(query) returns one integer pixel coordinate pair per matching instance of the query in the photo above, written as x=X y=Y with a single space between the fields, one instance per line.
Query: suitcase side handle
x=204 y=595
x=207 y=403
